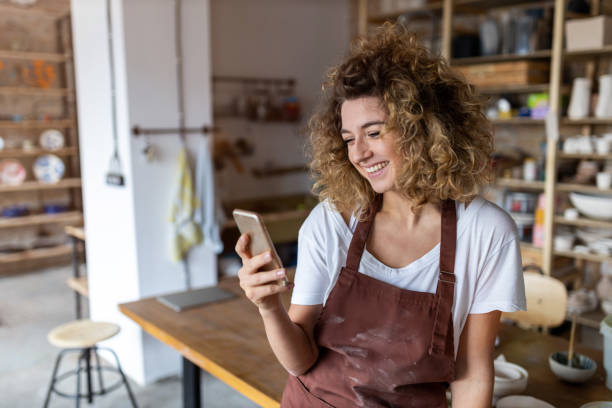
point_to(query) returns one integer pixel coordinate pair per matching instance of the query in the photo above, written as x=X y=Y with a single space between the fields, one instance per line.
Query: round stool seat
x=81 y=333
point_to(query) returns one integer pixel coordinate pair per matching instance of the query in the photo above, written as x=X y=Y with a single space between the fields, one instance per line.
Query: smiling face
x=373 y=154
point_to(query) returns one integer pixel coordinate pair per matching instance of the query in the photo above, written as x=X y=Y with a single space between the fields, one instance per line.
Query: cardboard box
x=506 y=73
x=588 y=33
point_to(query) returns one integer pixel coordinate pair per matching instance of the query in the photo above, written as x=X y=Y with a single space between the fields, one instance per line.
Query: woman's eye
x=347 y=141
x=373 y=134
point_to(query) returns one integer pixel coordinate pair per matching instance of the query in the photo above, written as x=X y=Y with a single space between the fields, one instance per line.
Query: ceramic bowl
x=606 y=306
x=596 y=206
x=585 y=370
x=597 y=404
x=509 y=379
x=522 y=401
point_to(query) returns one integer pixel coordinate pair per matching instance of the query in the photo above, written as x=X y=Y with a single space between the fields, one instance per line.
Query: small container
x=524 y=203
x=530 y=169
x=524 y=224
x=570 y=214
x=604 y=180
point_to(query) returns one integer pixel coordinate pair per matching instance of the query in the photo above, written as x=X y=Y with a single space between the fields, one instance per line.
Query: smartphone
x=249 y=222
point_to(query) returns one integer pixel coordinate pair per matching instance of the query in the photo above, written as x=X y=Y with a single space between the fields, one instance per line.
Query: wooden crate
x=506 y=73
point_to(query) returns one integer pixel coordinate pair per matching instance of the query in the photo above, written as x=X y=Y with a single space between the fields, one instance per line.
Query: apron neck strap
x=360 y=236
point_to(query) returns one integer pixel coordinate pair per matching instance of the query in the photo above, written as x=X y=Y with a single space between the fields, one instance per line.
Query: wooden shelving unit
x=37 y=185
x=35 y=151
x=64 y=93
x=37 y=124
x=50 y=92
x=70 y=217
x=556 y=56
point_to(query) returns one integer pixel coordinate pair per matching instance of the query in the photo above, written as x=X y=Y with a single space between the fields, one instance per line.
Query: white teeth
x=376 y=167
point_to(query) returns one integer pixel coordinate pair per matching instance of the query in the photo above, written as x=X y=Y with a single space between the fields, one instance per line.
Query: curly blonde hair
x=444 y=138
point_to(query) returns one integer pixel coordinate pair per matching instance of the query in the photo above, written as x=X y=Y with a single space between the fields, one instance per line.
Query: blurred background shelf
x=35 y=254
x=22 y=90
x=37 y=124
x=519 y=184
x=584 y=222
x=36 y=151
x=584 y=156
x=518 y=121
x=26 y=55
x=36 y=185
x=540 y=54
x=580 y=188
x=69 y=217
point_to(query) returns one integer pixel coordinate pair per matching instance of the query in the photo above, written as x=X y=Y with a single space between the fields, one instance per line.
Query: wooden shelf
x=592 y=52
x=513 y=89
x=50 y=92
x=585 y=257
x=519 y=184
x=36 y=10
x=518 y=121
x=586 y=121
x=26 y=55
x=583 y=222
x=37 y=124
x=72 y=217
x=36 y=185
x=580 y=188
x=591 y=319
x=591 y=156
x=14 y=153
x=541 y=54
x=36 y=254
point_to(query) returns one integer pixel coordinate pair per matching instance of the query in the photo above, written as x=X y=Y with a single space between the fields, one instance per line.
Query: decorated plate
x=12 y=172
x=51 y=139
x=49 y=168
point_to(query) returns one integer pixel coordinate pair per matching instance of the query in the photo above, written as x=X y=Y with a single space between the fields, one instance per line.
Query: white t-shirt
x=487 y=261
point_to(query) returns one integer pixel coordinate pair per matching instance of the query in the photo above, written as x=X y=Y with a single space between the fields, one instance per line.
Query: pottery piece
x=585 y=370
x=509 y=379
x=522 y=401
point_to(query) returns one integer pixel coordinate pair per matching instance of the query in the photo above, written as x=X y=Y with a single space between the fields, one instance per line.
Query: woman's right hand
x=261 y=288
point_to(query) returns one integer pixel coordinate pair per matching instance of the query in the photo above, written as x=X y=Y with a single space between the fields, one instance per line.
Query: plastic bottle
x=538 y=226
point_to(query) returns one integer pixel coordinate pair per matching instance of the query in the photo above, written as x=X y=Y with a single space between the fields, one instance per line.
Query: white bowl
x=522 y=401
x=509 y=379
x=558 y=365
x=606 y=306
x=595 y=206
x=597 y=404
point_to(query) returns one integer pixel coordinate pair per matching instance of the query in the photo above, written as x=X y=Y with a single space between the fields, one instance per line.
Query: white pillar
x=127 y=229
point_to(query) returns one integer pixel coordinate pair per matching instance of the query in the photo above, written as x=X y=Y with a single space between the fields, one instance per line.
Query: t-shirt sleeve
x=311 y=275
x=500 y=284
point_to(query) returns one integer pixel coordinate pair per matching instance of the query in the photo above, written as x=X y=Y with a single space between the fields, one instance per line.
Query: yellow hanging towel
x=186 y=233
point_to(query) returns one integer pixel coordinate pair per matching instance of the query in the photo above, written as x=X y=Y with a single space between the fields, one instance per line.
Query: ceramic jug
x=580 y=100
x=604 y=103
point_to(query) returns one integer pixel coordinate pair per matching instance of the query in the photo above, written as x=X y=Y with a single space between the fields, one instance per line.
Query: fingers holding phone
x=262 y=276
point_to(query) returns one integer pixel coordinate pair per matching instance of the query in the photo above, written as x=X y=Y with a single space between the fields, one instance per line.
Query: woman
x=403 y=270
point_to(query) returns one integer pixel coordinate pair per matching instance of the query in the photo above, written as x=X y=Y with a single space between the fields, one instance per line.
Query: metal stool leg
x=58 y=359
x=78 y=381
x=99 y=368
x=127 y=386
x=87 y=355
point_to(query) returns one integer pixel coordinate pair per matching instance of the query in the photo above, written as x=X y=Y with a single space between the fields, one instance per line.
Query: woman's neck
x=399 y=208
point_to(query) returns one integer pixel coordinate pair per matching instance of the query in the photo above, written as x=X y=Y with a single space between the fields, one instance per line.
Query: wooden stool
x=82 y=336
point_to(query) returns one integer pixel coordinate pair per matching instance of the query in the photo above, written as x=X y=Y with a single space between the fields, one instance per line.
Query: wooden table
x=227 y=339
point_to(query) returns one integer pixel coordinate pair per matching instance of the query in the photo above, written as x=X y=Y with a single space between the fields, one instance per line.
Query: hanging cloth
x=186 y=232
x=209 y=214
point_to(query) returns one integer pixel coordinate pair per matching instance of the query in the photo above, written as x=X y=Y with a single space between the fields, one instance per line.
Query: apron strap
x=443 y=300
x=360 y=236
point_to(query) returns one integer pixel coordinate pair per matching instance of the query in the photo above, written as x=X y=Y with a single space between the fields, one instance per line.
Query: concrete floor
x=34 y=303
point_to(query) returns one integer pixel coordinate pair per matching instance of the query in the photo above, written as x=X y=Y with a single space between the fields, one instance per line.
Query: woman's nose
x=361 y=149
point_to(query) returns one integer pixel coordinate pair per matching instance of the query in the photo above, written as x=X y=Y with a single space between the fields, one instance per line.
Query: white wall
x=127 y=228
x=268 y=39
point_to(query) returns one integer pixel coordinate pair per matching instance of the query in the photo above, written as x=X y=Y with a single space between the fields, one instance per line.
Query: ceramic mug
x=602 y=145
x=581 y=97
x=604 y=180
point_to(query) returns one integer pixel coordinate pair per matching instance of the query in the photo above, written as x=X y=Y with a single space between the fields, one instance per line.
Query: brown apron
x=380 y=345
